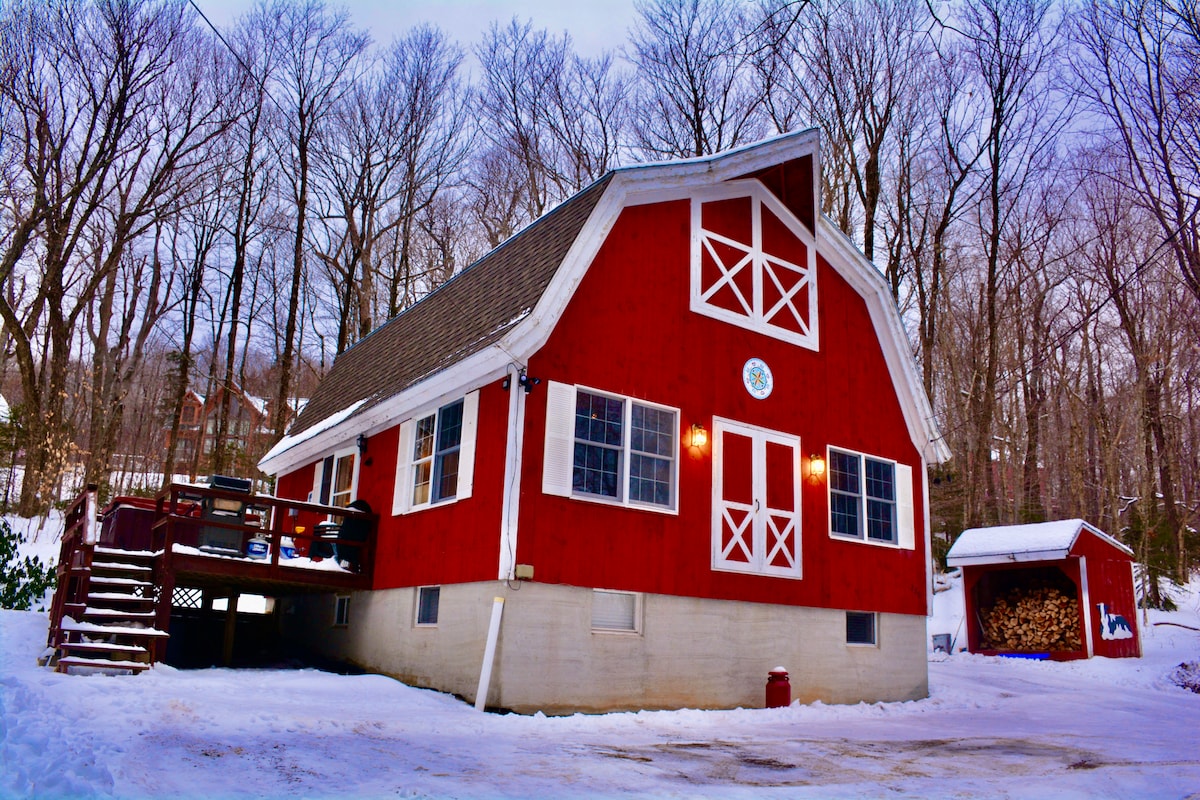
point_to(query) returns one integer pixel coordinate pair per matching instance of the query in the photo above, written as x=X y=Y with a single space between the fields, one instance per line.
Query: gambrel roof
x=463 y=316
x=499 y=311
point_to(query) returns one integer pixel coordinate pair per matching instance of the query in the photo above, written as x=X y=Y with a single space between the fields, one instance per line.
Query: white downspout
x=514 y=446
x=489 y=654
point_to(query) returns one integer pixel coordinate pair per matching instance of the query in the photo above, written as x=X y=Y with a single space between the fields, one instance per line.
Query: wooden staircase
x=106 y=604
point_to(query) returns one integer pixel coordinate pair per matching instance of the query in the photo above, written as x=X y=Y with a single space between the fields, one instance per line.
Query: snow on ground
x=992 y=727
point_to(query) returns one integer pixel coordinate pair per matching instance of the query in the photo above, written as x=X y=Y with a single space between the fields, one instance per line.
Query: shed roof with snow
x=1039 y=541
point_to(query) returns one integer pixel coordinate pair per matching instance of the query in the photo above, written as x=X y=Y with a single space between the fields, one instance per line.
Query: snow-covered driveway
x=992 y=727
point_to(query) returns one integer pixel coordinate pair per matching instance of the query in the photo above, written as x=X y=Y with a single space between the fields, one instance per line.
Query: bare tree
x=696 y=93
x=319 y=53
x=858 y=70
x=1142 y=76
x=1010 y=47
x=553 y=118
x=114 y=105
x=396 y=140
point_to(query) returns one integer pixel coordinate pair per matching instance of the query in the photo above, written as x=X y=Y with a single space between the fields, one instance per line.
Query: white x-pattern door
x=756 y=500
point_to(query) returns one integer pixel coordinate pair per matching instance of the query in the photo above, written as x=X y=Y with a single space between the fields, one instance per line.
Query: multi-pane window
x=428 y=599
x=435 y=460
x=860 y=627
x=623 y=450
x=862 y=497
x=599 y=444
x=343 y=481
x=651 y=453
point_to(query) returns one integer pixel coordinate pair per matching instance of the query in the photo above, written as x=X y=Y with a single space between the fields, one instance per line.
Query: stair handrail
x=73 y=571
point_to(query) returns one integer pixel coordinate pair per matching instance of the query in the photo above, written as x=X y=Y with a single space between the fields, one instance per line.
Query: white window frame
x=637 y=613
x=558 y=465
x=402 y=495
x=351 y=494
x=757 y=316
x=420 y=590
x=874 y=616
x=341 y=611
x=319 y=476
x=758 y=521
x=903 y=519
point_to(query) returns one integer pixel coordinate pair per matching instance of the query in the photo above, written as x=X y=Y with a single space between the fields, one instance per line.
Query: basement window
x=861 y=627
x=341 y=611
x=428 y=599
x=616 y=612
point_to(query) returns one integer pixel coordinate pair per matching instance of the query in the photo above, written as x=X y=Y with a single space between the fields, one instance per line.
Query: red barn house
x=672 y=429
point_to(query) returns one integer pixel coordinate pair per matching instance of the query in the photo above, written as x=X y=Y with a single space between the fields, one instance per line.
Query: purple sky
x=593 y=25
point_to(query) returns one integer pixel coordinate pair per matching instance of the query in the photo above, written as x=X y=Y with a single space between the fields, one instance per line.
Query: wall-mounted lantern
x=816 y=467
x=699 y=435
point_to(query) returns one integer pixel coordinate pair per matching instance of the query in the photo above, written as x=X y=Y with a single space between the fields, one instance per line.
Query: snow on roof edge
x=1005 y=541
x=291 y=440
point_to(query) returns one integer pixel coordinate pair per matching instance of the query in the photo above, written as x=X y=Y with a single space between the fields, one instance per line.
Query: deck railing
x=74 y=563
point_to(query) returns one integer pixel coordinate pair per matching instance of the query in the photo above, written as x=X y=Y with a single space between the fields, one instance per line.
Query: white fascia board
x=1006 y=558
x=477 y=369
x=740 y=160
x=893 y=340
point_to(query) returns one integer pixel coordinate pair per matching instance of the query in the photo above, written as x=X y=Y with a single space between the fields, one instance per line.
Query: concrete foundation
x=688 y=653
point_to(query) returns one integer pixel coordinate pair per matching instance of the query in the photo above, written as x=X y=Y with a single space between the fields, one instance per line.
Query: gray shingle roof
x=464 y=315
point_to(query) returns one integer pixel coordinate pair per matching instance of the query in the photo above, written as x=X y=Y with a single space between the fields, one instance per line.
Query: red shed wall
x=1110 y=581
x=629 y=330
x=453 y=542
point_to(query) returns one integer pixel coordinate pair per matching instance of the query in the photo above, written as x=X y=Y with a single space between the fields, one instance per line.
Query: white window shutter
x=466 y=449
x=557 y=461
x=318 y=471
x=906 y=528
x=402 y=493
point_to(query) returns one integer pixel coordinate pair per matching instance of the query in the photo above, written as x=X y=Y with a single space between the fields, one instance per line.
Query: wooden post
x=230 y=629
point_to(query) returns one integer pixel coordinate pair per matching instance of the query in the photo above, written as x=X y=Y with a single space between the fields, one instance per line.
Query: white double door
x=756 y=500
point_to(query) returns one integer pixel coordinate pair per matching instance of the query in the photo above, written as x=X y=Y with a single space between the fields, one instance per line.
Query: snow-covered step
x=110 y=630
x=116 y=613
x=102 y=663
x=112 y=551
x=114 y=566
x=131 y=582
x=119 y=596
x=103 y=647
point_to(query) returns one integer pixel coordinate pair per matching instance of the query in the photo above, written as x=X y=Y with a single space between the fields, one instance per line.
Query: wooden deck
x=123 y=571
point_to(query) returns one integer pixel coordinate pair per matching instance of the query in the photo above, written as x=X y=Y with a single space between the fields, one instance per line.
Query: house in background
x=249 y=429
x=671 y=431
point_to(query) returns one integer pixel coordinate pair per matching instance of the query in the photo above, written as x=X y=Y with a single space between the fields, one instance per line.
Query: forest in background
x=184 y=208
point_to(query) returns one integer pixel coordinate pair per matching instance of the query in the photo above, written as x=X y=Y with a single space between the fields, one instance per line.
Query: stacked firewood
x=1031 y=619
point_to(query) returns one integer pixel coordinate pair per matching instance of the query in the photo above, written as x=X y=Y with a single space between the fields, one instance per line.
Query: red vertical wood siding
x=454 y=542
x=629 y=330
x=1110 y=581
